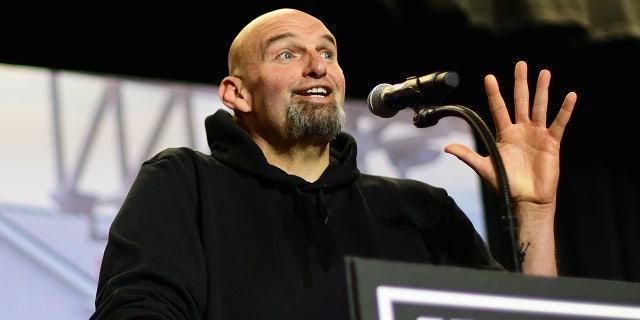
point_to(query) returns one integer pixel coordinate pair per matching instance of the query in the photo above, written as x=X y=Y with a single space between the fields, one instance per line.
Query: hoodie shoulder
x=177 y=154
x=414 y=196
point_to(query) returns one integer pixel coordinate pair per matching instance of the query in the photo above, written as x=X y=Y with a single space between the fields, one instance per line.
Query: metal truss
x=69 y=172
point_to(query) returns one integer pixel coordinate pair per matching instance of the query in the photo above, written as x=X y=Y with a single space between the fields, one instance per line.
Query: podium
x=368 y=289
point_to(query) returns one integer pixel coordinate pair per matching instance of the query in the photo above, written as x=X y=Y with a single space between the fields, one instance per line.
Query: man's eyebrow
x=275 y=38
x=330 y=38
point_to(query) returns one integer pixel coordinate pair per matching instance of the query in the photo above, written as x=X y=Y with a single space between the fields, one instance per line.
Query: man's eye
x=327 y=55
x=286 y=55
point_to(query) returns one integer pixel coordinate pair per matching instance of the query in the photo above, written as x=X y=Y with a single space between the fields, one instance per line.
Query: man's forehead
x=277 y=26
x=291 y=24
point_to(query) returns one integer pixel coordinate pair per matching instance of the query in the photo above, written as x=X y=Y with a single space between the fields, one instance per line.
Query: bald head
x=246 y=48
x=285 y=85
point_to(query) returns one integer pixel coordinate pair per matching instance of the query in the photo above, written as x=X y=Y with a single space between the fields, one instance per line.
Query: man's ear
x=233 y=94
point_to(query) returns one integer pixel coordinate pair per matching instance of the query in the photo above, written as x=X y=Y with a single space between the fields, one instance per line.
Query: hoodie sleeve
x=446 y=232
x=153 y=264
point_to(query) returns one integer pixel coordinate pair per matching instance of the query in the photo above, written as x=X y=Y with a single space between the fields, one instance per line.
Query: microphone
x=385 y=100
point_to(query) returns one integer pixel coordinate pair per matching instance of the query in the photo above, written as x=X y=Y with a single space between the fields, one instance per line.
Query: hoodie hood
x=231 y=146
x=335 y=196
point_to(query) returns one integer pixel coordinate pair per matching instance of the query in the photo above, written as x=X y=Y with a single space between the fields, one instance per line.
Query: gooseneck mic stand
x=429 y=116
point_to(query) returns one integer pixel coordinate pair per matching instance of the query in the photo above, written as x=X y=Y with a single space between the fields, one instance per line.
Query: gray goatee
x=305 y=119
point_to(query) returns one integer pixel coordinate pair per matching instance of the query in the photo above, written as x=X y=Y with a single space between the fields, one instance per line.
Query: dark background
x=598 y=220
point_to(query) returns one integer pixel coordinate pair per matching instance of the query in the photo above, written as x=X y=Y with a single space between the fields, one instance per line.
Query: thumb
x=468 y=156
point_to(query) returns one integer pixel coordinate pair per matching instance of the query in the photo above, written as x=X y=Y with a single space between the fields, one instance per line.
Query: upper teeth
x=317 y=91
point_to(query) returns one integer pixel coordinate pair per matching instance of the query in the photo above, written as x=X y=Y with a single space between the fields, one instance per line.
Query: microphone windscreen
x=376 y=105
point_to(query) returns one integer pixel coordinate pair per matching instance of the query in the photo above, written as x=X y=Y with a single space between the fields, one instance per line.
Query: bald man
x=244 y=232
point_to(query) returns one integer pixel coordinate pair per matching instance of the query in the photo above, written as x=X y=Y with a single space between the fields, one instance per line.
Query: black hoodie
x=229 y=236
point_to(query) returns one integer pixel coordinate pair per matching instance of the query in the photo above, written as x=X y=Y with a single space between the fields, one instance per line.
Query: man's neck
x=307 y=160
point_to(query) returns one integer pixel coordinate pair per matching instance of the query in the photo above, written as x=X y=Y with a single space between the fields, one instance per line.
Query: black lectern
x=367 y=289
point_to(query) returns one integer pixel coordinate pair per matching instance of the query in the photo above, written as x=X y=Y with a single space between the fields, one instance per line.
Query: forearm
x=536 y=238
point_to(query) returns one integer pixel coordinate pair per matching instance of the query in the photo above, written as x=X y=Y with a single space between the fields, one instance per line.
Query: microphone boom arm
x=429 y=116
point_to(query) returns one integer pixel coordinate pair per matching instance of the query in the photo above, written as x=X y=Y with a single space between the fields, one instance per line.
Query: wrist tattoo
x=522 y=251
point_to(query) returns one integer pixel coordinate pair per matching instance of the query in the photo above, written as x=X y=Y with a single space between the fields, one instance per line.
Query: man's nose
x=316 y=65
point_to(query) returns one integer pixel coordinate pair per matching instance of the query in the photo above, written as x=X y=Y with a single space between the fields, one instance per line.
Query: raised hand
x=529 y=150
x=530 y=153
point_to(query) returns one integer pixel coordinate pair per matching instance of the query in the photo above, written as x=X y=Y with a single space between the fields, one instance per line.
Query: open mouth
x=318 y=92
